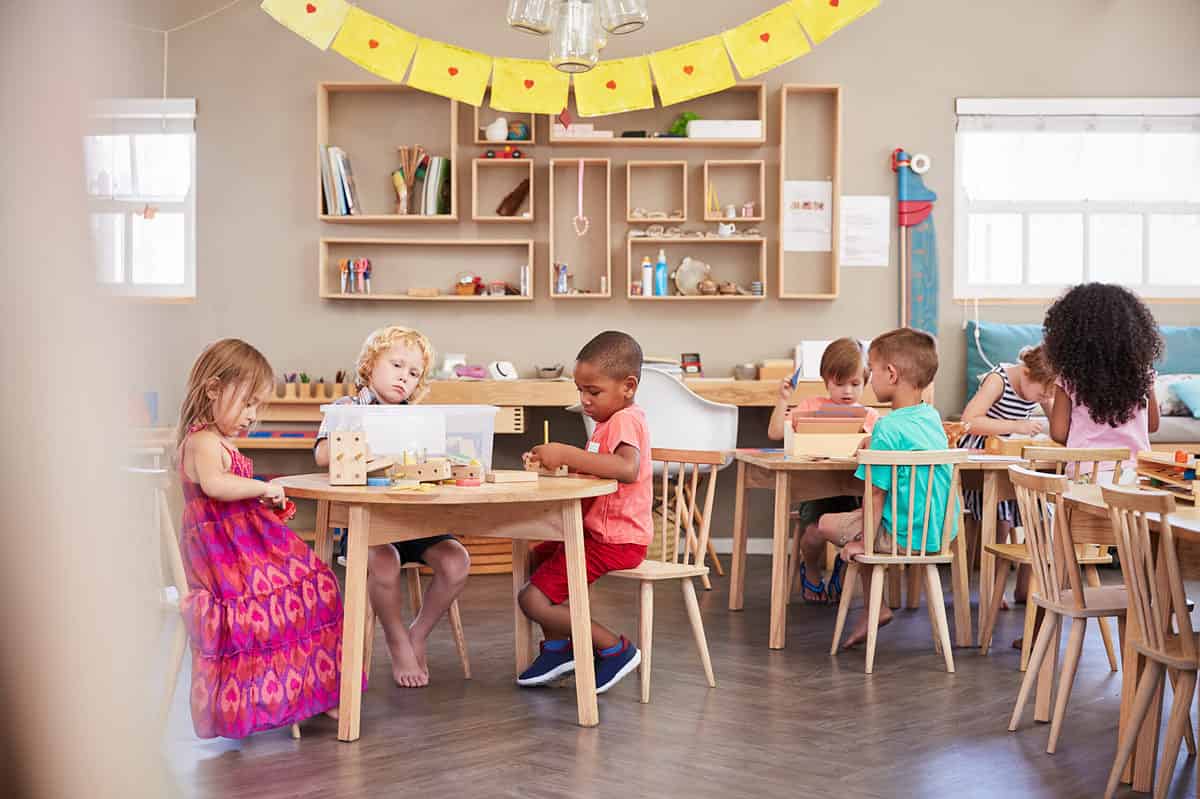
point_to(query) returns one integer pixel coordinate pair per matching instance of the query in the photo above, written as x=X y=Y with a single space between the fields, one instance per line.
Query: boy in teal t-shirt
x=903 y=363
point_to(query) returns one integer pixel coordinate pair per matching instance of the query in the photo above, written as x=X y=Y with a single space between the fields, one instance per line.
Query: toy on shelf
x=512 y=201
x=349 y=459
x=355 y=275
x=580 y=221
x=1175 y=474
x=508 y=152
x=290 y=390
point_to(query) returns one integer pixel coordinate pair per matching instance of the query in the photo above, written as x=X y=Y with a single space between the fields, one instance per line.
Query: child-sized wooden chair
x=1156 y=593
x=1061 y=592
x=688 y=561
x=913 y=554
x=1017 y=553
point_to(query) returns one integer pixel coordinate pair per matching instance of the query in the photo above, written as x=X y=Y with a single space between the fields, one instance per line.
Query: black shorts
x=414 y=551
x=814 y=509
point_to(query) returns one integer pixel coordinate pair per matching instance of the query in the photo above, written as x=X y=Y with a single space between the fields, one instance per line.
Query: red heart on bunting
x=833 y=3
x=528 y=83
x=689 y=69
x=372 y=44
x=453 y=71
x=310 y=8
x=612 y=84
x=766 y=37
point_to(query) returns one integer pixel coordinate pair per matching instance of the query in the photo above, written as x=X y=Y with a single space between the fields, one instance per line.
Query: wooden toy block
x=472 y=471
x=534 y=466
x=819 y=446
x=511 y=476
x=348 y=459
x=1169 y=473
x=432 y=471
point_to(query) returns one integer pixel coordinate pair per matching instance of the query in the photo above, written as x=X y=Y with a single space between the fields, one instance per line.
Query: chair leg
x=937 y=601
x=716 y=562
x=875 y=605
x=414 y=590
x=645 y=634
x=693 y=611
x=1180 y=716
x=937 y=641
x=1147 y=688
x=999 y=580
x=912 y=587
x=831 y=554
x=1039 y=653
x=460 y=638
x=174 y=665
x=794 y=562
x=368 y=638
x=1189 y=737
x=295 y=732
x=849 y=585
x=1093 y=580
x=1066 y=681
x=1030 y=630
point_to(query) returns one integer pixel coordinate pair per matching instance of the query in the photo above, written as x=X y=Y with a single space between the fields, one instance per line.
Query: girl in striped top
x=1006 y=399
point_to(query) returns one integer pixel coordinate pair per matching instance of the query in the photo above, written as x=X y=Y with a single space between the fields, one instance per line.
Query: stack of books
x=430 y=195
x=337 y=178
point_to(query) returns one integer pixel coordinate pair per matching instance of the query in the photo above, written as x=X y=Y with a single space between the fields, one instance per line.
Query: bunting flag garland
x=691 y=70
x=315 y=20
x=450 y=71
x=765 y=42
x=613 y=87
x=823 y=18
x=528 y=86
x=375 y=44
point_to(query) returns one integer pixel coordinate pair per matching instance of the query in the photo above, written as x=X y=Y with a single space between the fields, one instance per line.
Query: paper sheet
x=807 y=216
x=866 y=232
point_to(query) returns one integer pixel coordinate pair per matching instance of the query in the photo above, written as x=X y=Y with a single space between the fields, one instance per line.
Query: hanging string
x=166 y=34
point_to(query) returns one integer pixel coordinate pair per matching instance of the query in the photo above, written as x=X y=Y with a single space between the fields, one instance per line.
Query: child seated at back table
x=617 y=527
x=844 y=370
x=903 y=363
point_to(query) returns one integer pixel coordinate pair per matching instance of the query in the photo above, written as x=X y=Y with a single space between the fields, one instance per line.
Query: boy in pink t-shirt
x=617 y=527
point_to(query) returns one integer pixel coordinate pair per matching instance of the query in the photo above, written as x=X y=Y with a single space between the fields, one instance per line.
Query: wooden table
x=548 y=510
x=1090 y=524
x=835 y=477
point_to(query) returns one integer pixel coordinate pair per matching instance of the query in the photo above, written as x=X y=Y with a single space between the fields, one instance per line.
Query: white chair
x=681 y=419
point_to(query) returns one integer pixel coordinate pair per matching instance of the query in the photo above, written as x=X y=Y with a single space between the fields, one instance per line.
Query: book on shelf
x=435 y=190
x=328 y=195
x=342 y=178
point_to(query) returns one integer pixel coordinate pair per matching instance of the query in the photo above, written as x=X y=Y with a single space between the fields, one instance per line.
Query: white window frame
x=125 y=115
x=1033 y=109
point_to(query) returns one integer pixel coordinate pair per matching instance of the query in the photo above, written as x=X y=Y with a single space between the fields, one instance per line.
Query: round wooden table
x=547 y=510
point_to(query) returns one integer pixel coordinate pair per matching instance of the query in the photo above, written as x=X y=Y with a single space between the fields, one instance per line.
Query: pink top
x=623 y=517
x=809 y=405
x=1087 y=432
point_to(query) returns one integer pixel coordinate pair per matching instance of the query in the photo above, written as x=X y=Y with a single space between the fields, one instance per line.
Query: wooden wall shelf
x=721 y=272
x=594 y=248
x=512 y=170
x=384 y=115
x=737 y=182
x=815 y=155
x=664 y=192
x=483 y=115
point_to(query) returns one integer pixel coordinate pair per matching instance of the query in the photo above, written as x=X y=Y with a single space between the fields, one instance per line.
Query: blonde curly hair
x=383 y=339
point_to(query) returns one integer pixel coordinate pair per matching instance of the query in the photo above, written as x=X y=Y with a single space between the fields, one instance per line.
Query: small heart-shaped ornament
x=689 y=69
x=373 y=43
x=310 y=8
x=453 y=71
x=766 y=37
x=612 y=84
x=528 y=83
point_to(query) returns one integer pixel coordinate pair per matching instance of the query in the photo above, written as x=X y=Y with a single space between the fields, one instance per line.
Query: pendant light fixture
x=530 y=16
x=620 y=17
x=573 y=41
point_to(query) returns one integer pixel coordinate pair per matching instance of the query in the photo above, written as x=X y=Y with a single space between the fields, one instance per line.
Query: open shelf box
x=656 y=186
x=491 y=180
x=734 y=183
x=738 y=259
x=484 y=115
x=588 y=257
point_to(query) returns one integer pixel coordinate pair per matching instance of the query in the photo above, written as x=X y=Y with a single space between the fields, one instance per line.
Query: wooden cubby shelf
x=735 y=183
x=484 y=115
x=753 y=264
x=491 y=180
x=656 y=186
x=368 y=121
x=812 y=116
x=401 y=264
x=588 y=257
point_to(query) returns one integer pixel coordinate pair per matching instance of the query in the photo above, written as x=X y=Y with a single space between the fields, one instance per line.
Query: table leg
x=987 y=536
x=581 y=614
x=323 y=541
x=960 y=574
x=522 y=626
x=779 y=586
x=354 y=623
x=737 y=566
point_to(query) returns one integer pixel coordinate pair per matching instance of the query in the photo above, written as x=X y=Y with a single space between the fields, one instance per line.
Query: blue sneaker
x=557 y=659
x=611 y=667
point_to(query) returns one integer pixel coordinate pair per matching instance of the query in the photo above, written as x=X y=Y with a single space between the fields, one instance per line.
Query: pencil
x=546 y=431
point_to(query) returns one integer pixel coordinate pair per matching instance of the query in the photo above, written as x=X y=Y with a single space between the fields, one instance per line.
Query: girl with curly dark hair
x=1103 y=342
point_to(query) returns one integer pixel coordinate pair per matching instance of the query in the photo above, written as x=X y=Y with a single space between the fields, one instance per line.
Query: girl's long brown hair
x=229 y=361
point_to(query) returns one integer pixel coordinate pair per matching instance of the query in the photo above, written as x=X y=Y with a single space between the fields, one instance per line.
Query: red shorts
x=550 y=576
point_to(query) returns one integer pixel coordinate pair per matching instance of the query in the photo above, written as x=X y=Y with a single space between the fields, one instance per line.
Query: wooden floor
x=795 y=723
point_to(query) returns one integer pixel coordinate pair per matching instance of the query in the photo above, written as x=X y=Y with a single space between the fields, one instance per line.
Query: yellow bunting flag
x=450 y=71
x=765 y=42
x=823 y=18
x=613 y=87
x=691 y=70
x=375 y=44
x=526 y=86
x=315 y=20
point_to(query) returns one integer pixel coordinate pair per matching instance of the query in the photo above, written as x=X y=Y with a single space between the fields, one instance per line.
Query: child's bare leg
x=387 y=597
x=812 y=549
x=450 y=562
x=858 y=633
x=555 y=620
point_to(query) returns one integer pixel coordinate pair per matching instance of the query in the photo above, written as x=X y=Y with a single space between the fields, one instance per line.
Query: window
x=1053 y=192
x=140 y=159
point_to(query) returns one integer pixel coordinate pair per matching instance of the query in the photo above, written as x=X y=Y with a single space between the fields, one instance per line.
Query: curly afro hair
x=1103 y=341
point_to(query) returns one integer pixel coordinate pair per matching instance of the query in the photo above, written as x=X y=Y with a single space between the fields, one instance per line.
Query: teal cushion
x=1189 y=394
x=1183 y=351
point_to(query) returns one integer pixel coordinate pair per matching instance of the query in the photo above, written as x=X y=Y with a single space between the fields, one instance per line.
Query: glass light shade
x=601 y=34
x=619 y=17
x=530 y=16
x=573 y=36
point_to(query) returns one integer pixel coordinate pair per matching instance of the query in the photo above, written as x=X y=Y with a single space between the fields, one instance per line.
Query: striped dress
x=1010 y=407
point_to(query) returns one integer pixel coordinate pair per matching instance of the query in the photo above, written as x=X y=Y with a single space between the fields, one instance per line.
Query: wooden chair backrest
x=895 y=461
x=684 y=514
x=1061 y=458
x=1047 y=533
x=1155 y=585
x=157 y=483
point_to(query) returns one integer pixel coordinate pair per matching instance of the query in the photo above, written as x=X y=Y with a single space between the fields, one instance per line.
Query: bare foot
x=418 y=645
x=859 y=633
x=1018 y=643
x=406 y=669
x=1003 y=603
x=332 y=713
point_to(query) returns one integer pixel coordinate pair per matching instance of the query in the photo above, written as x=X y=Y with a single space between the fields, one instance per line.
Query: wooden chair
x=1156 y=593
x=1017 y=554
x=689 y=558
x=914 y=554
x=1061 y=593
